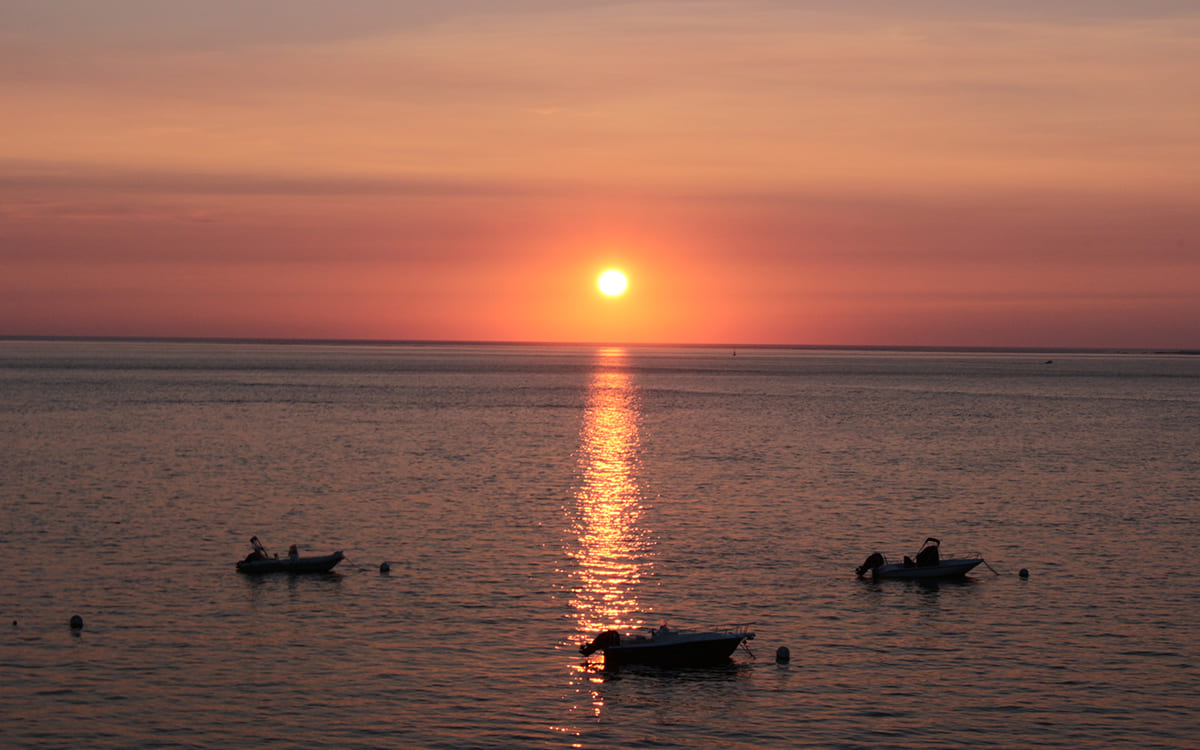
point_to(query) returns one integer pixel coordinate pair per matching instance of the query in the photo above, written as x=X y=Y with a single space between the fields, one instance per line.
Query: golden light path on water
x=609 y=546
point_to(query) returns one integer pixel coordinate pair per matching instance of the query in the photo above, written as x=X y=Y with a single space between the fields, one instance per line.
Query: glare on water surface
x=610 y=544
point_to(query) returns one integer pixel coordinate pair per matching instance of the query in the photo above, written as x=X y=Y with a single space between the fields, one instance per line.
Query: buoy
x=76 y=622
x=1024 y=573
x=384 y=568
x=782 y=655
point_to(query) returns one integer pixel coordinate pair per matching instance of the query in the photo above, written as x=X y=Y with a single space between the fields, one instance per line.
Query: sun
x=612 y=282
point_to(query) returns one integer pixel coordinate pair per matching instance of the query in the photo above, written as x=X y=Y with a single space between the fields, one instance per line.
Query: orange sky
x=918 y=173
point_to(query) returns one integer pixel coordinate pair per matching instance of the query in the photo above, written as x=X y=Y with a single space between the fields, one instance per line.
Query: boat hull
x=668 y=647
x=692 y=653
x=946 y=569
x=317 y=564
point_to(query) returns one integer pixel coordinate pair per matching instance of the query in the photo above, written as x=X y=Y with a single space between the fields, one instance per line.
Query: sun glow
x=613 y=282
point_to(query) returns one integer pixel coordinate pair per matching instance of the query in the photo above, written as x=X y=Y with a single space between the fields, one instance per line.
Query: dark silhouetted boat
x=928 y=565
x=314 y=564
x=258 y=561
x=669 y=647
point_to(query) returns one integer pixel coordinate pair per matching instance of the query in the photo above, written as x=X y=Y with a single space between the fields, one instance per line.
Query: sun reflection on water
x=608 y=543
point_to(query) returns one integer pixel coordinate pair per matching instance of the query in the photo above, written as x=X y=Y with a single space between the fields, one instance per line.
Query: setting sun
x=612 y=282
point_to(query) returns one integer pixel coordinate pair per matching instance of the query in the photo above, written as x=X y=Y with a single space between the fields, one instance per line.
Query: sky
x=995 y=173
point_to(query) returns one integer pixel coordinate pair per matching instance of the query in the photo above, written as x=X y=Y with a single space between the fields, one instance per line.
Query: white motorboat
x=928 y=565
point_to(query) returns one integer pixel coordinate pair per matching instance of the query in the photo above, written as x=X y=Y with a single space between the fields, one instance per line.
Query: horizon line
x=282 y=341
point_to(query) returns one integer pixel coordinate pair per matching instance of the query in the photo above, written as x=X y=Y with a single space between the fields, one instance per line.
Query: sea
x=526 y=497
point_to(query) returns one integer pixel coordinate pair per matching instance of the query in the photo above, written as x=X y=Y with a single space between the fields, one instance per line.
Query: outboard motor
x=869 y=565
x=602 y=641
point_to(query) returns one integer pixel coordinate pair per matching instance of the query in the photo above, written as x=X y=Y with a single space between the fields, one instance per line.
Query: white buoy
x=76 y=622
x=782 y=655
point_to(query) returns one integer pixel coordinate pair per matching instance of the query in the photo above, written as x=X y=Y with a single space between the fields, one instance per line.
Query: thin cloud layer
x=788 y=164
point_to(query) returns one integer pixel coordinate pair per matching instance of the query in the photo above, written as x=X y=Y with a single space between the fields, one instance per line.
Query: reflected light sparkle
x=611 y=547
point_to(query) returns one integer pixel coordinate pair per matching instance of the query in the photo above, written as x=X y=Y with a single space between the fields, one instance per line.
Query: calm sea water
x=526 y=497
